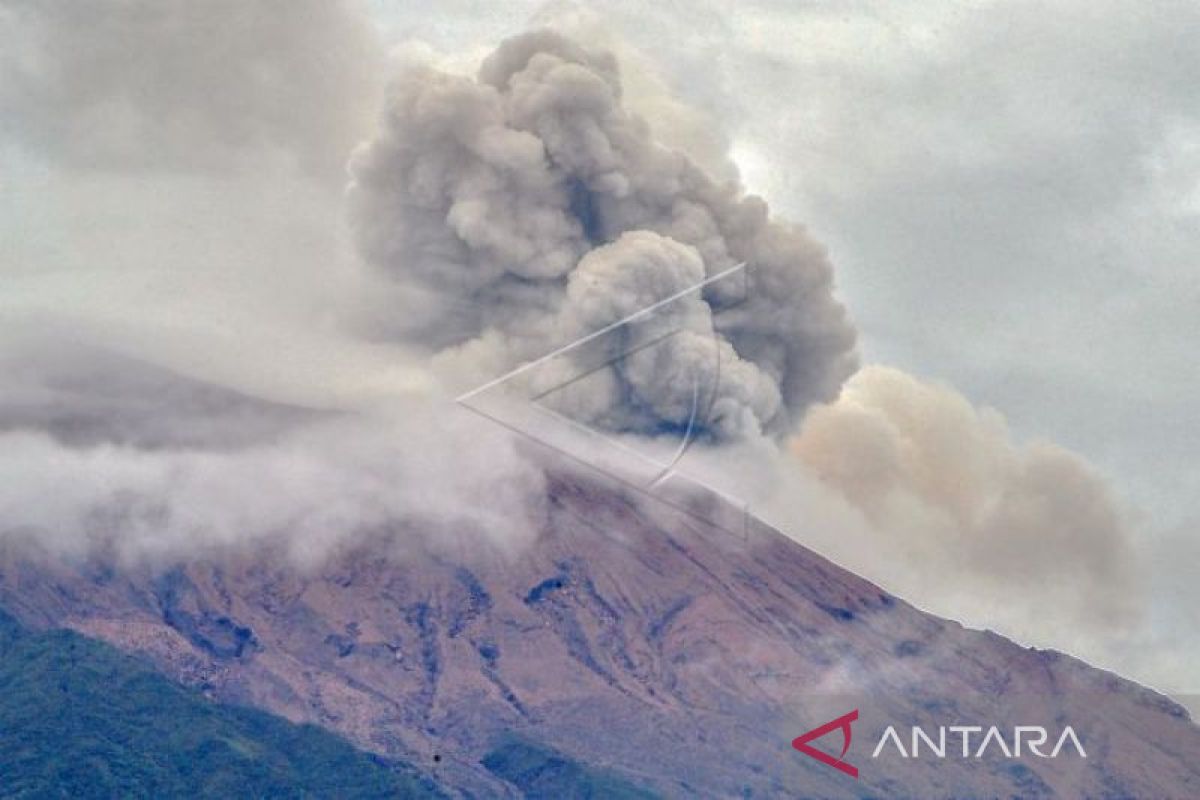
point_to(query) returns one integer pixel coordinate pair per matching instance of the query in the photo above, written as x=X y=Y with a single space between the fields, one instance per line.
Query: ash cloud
x=964 y=518
x=528 y=207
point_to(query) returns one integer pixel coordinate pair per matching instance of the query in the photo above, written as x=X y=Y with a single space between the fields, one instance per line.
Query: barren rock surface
x=631 y=636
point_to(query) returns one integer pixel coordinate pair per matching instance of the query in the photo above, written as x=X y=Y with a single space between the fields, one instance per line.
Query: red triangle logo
x=801 y=743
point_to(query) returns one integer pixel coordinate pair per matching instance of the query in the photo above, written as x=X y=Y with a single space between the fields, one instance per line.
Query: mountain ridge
x=628 y=635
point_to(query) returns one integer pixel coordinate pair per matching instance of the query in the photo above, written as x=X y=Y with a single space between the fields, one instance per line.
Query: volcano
x=629 y=637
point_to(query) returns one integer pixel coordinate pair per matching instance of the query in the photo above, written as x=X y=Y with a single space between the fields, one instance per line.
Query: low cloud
x=304 y=494
x=179 y=371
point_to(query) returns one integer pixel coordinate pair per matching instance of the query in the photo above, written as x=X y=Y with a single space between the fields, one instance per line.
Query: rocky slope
x=630 y=636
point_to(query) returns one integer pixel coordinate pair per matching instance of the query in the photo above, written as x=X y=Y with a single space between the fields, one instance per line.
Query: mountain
x=81 y=719
x=630 y=650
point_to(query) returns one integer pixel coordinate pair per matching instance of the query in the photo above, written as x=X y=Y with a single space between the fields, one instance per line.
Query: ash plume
x=963 y=513
x=528 y=207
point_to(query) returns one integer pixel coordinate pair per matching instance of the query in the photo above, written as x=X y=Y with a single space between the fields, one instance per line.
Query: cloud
x=200 y=228
x=172 y=84
x=83 y=396
x=178 y=367
x=1026 y=535
x=502 y=196
x=305 y=493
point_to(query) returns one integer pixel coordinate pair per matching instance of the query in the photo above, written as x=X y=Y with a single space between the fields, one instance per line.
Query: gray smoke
x=530 y=208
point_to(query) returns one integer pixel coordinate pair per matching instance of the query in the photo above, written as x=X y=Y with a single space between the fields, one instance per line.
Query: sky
x=1007 y=194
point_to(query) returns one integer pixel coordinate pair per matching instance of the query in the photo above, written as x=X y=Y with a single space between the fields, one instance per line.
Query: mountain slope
x=83 y=720
x=539 y=772
x=629 y=636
